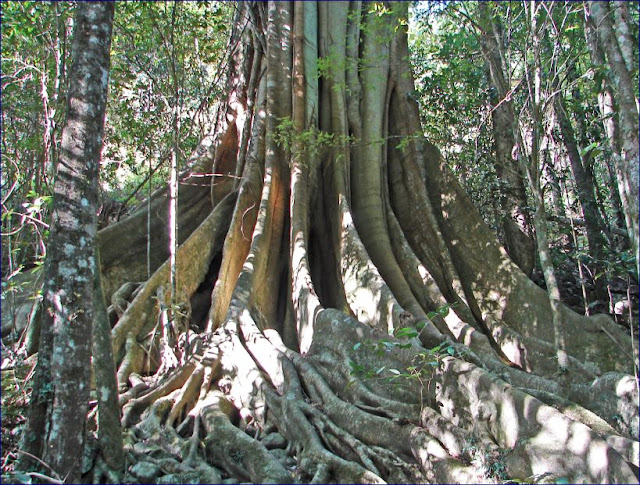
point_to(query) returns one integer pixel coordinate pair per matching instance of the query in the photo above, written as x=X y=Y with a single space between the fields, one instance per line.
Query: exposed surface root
x=302 y=430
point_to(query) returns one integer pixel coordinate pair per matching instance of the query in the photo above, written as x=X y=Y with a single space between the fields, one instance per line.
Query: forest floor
x=16 y=390
x=18 y=370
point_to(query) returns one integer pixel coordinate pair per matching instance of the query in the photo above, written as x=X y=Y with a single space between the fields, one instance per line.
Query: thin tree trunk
x=171 y=328
x=55 y=430
x=583 y=140
x=584 y=185
x=609 y=116
x=109 y=429
x=627 y=118
x=532 y=172
x=618 y=221
x=519 y=241
x=626 y=41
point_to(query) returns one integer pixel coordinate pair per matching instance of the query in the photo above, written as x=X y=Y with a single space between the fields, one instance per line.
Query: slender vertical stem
x=631 y=327
x=585 y=298
x=149 y=221
x=533 y=172
x=173 y=182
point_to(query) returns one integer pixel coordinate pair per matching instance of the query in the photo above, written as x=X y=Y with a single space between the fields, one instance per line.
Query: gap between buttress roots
x=201 y=299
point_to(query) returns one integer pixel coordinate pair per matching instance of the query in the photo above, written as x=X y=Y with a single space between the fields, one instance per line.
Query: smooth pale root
x=540 y=438
x=503 y=294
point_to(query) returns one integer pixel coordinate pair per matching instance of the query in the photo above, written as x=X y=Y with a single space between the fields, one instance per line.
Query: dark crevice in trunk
x=283 y=281
x=323 y=265
x=201 y=299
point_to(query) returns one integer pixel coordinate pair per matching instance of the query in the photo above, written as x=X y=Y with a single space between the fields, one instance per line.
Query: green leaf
x=380 y=370
x=407 y=332
x=355 y=367
x=588 y=148
x=395 y=371
x=443 y=310
x=436 y=349
x=357 y=346
x=387 y=345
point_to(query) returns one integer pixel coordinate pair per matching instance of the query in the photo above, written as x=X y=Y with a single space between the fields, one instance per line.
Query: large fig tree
x=342 y=312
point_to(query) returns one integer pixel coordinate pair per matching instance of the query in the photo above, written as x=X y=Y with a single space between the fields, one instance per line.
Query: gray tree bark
x=608 y=112
x=519 y=240
x=594 y=225
x=55 y=430
x=626 y=41
x=625 y=93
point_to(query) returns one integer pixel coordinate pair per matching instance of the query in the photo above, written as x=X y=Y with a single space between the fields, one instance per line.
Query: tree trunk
x=608 y=113
x=623 y=34
x=532 y=170
x=594 y=225
x=109 y=429
x=55 y=431
x=625 y=93
x=519 y=241
x=358 y=322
